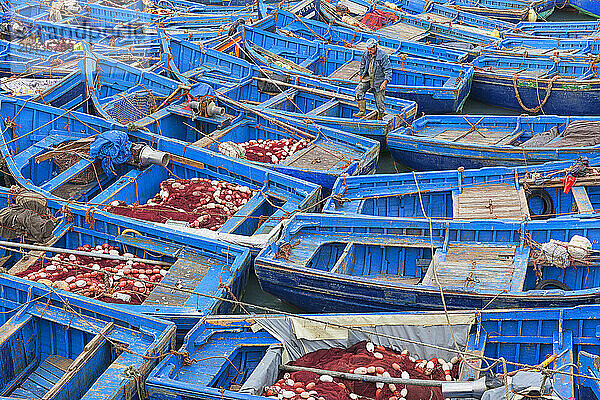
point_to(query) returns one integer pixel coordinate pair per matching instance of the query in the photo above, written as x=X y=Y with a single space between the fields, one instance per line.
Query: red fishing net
x=200 y=202
x=363 y=359
x=378 y=19
x=85 y=275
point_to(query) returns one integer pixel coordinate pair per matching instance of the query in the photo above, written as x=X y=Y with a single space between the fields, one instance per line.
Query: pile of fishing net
x=201 y=203
x=265 y=151
x=364 y=358
x=27 y=86
x=98 y=278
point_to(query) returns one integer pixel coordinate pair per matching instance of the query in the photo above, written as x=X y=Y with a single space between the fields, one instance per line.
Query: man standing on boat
x=375 y=74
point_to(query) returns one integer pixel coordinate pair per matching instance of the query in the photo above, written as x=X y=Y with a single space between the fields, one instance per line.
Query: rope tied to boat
x=285 y=249
x=534 y=110
x=89 y=217
x=339 y=199
x=132 y=372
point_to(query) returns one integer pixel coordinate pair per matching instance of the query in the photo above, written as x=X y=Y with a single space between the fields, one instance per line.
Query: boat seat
x=481 y=136
x=490 y=202
x=348 y=71
x=214 y=349
x=322 y=156
x=582 y=200
x=43 y=378
x=479 y=266
x=187 y=273
x=402 y=31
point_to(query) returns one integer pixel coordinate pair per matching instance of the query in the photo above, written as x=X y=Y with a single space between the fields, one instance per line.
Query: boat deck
x=349 y=71
x=478 y=136
x=40 y=381
x=216 y=348
x=402 y=31
x=443 y=20
x=319 y=156
x=187 y=273
x=484 y=267
x=490 y=201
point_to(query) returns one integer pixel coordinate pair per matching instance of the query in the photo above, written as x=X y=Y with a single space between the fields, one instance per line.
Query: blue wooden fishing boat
x=123 y=93
x=59 y=346
x=588 y=7
x=246 y=353
x=285 y=23
x=315 y=152
x=512 y=10
x=534 y=84
x=101 y=16
x=335 y=263
x=435 y=86
x=33 y=128
x=563 y=30
x=188 y=60
x=450 y=142
x=194 y=264
x=519 y=193
x=423 y=21
x=569 y=49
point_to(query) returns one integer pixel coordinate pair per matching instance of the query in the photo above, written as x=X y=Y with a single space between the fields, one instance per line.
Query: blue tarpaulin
x=201 y=90
x=113 y=147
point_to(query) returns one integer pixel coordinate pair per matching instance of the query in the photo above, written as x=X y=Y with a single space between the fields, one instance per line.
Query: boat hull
x=589 y=7
x=315 y=292
x=565 y=98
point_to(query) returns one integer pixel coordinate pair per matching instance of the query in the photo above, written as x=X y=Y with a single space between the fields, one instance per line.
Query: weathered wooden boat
x=60 y=346
x=334 y=263
x=588 y=7
x=423 y=21
x=246 y=353
x=285 y=23
x=563 y=30
x=101 y=16
x=534 y=84
x=512 y=10
x=324 y=104
x=33 y=128
x=570 y=49
x=519 y=193
x=123 y=93
x=32 y=62
x=283 y=143
x=449 y=142
x=435 y=86
x=191 y=267
x=188 y=60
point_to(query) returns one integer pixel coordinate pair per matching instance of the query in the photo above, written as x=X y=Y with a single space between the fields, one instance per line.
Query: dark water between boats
x=255 y=295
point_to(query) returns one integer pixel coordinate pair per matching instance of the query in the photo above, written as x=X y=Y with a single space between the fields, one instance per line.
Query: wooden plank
x=348 y=71
x=88 y=352
x=584 y=205
x=79 y=144
x=473 y=265
x=213 y=137
x=30 y=258
x=187 y=161
x=563 y=383
x=480 y=136
x=316 y=156
x=490 y=202
x=402 y=31
x=523 y=201
x=187 y=273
